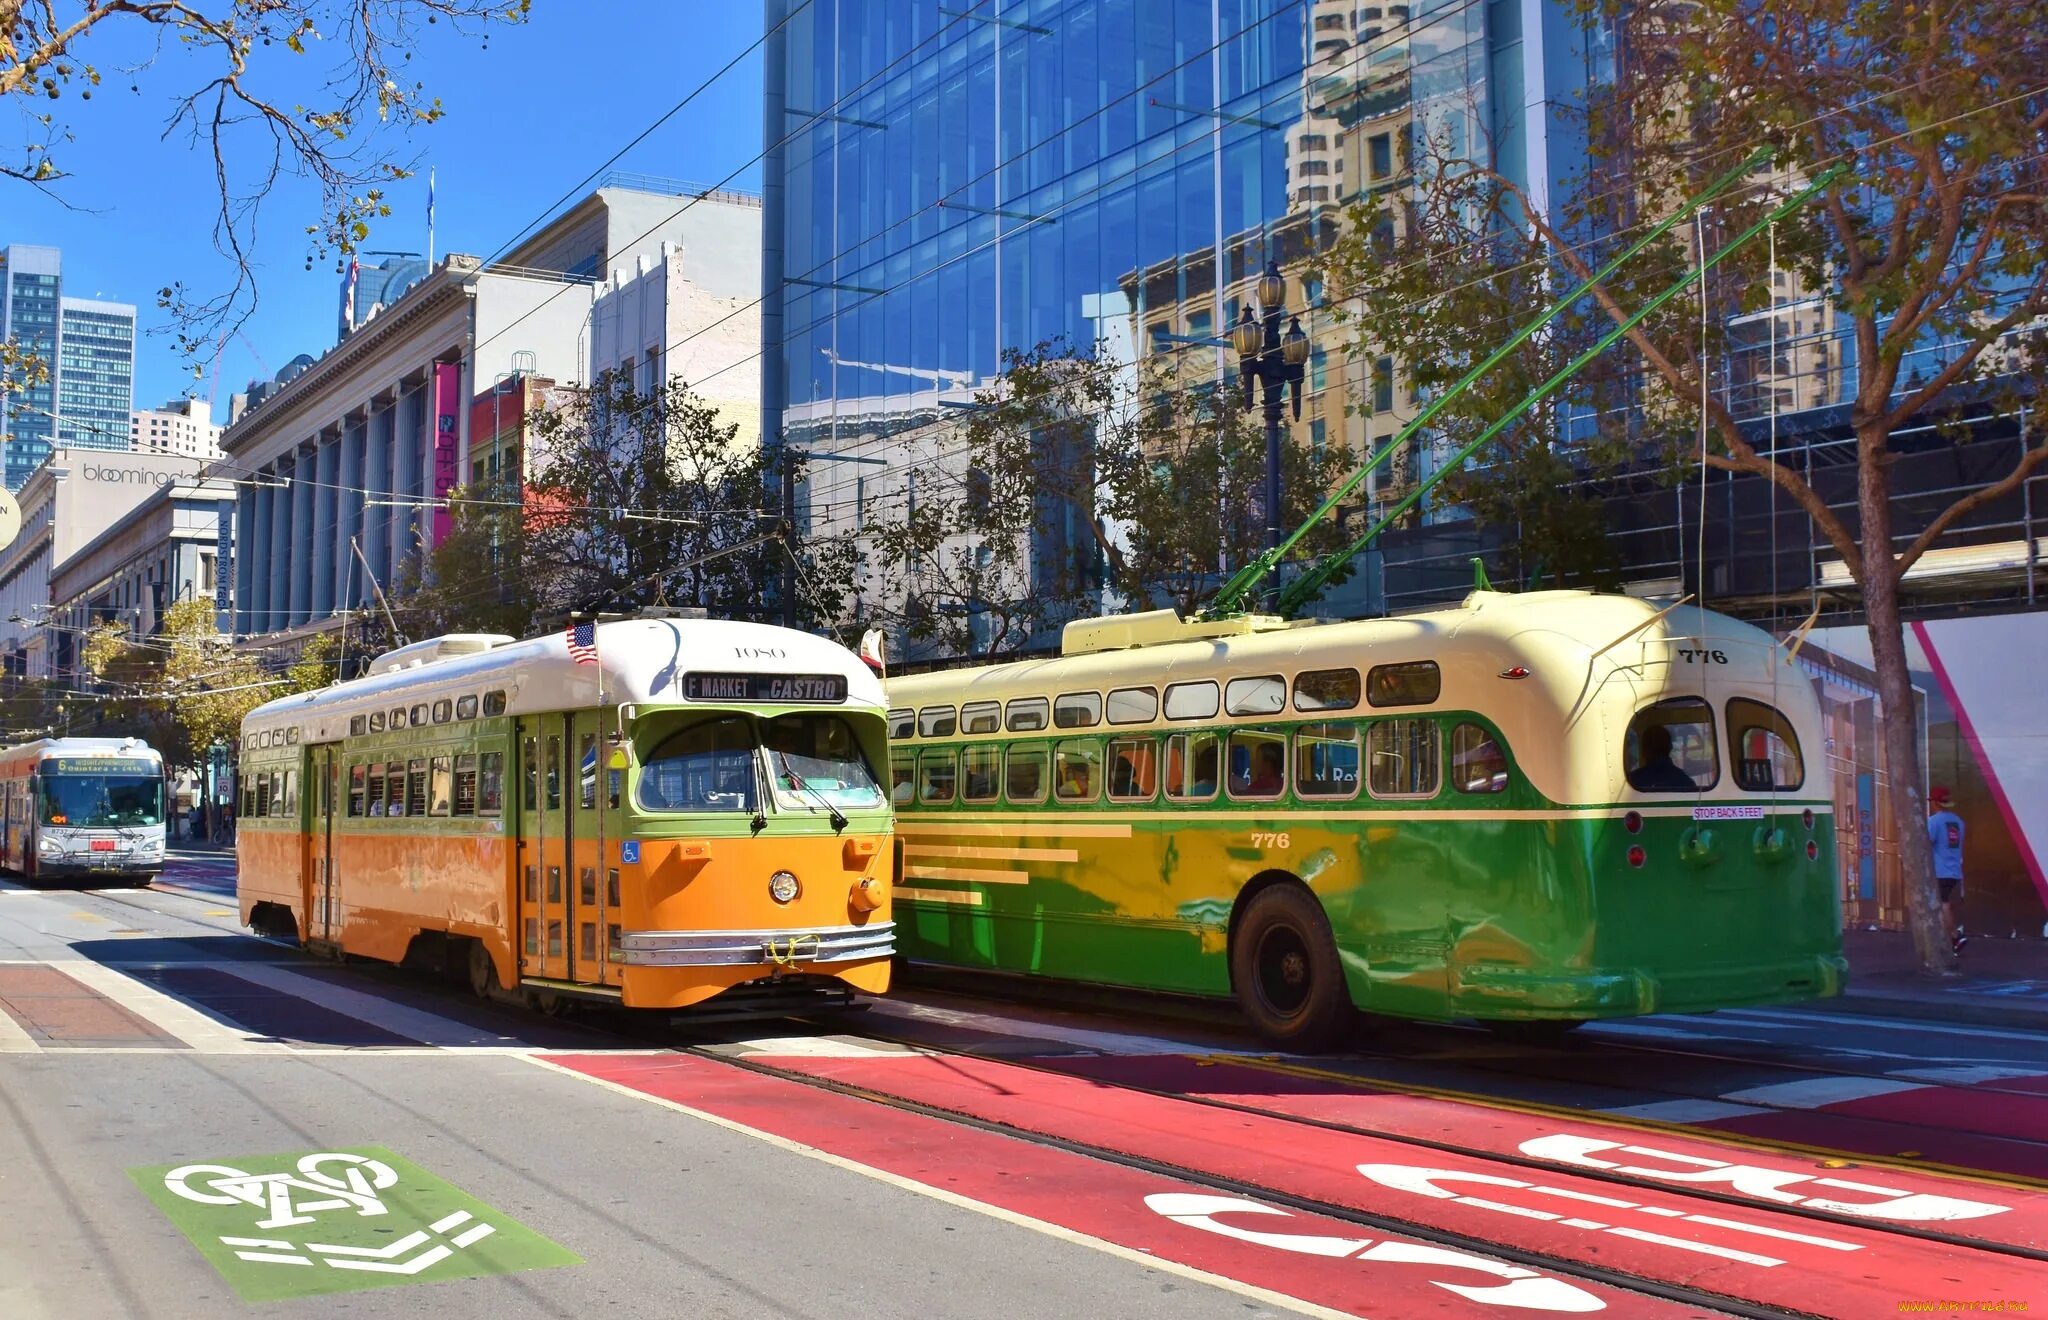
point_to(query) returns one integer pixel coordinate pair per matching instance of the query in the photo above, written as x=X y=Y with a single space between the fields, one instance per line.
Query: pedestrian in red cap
x=1945 y=837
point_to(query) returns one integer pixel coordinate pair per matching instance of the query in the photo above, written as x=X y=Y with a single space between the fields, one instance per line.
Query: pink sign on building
x=447 y=442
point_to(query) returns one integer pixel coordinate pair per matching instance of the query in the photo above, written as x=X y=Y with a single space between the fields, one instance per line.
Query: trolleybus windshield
x=101 y=800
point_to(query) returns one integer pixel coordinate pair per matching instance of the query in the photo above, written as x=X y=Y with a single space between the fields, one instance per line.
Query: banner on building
x=223 y=555
x=447 y=443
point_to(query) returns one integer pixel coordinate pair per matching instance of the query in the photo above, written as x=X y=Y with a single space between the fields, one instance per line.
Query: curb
x=1958 y=1009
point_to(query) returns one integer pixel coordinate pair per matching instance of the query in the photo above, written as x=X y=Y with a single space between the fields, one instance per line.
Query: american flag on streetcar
x=583 y=643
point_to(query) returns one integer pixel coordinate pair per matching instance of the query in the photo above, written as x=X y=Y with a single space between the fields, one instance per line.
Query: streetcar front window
x=102 y=801
x=1669 y=748
x=815 y=762
x=708 y=766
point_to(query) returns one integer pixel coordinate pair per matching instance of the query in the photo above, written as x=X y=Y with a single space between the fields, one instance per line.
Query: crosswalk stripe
x=14 y=1039
x=414 y=1024
x=180 y=1019
x=1815 y=1092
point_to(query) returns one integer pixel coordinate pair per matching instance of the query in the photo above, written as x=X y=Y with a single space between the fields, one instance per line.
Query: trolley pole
x=1274 y=361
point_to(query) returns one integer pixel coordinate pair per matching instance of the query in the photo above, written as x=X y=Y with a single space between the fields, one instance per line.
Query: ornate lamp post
x=1275 y=362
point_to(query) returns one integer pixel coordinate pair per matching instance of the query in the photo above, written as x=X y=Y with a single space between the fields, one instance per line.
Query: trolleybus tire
x=1534 y=1031
x=1285 y=969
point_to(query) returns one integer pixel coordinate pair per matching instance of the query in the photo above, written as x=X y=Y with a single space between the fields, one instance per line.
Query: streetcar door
x=543 y=891
x=322 y=767
x=588 y=801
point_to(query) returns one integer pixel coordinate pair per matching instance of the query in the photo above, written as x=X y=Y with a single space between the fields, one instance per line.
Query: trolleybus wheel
x=483 y=973
x=1284 y=965
x=1534 y=1031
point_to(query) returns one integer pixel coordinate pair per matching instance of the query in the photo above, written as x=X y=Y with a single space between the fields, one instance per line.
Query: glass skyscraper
x=947 y=181
x=88 y=349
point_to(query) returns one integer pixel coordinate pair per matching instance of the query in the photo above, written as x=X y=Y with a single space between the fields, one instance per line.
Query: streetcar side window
x=1669 y=747
x=1258 y=763
x=465 y=708
x=1077 y=774
x=1024 y=778
x=1326 y=689
x=357 y=725
x=1192 y=701
x=1133 y=769
x=377 y=721
x=262 y=794
x=376 y=793
x=291 y=793
x=586 y=771
x=902 y=724
x=1764 y=748
x=465 y=785
x=530 y=792
x=936 y=722
x=1326 y=760
x=902 y=778
x=419 y=715
x=1405 y=759
x=416 y=785
x=1138 y=705
x=983 y=767
x=441 y=787
x=1077 y=710
x=394 y=788
x=357 y=783
x=1027 y=714
x=1478 y=765
x=490 y=784
x=981 y=717
x=1264 y=695
x=397 y=718
x=443 y=709
x=494 y=702
x=1415 y=683
x=1191 y=765
x=554 y=771
x=936 y=776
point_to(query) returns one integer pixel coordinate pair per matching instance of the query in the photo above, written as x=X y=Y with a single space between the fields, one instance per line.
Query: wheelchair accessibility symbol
x=337 y=1220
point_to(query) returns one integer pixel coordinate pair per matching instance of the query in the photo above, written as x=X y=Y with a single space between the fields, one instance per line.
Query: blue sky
x=527 y=119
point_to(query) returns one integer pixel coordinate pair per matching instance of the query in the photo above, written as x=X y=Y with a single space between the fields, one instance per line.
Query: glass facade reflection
x=87 y=349
x=948 y=181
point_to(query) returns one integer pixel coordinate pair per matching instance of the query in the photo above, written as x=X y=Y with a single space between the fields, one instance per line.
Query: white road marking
x=412 y=1023
x=1970 y=1074
x=14 y=1038
x=940 y=1194
x=1108 y=1042
x=1685 y=1111
x=160 y=1010
x=820 y=1047
x=1820 y=1020
x=1816 y=1092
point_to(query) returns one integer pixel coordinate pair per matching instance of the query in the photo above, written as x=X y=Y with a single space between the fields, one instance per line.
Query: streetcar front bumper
x=729 y=948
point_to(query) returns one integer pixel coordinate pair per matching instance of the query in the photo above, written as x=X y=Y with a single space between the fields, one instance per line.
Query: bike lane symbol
x=278 y=1226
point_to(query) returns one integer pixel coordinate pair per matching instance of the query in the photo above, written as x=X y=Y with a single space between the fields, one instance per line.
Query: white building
x=184 y=426
x=657 y=319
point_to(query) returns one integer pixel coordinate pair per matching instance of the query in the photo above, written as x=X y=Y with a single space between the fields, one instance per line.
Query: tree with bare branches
x=1927 y=254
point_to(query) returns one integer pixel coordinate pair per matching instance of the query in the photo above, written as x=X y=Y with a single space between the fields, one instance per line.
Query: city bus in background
x=1532 y=810
x=82 y=807
x=657 y=812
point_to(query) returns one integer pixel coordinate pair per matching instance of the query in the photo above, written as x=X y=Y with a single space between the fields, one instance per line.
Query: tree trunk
x=1901 y=730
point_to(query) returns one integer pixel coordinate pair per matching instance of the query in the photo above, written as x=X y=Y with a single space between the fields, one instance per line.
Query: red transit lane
x=1325 y=1262
x=1758 y=1256
x=2001 y=1213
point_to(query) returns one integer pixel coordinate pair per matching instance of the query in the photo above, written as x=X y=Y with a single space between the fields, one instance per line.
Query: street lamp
x=1274 y=361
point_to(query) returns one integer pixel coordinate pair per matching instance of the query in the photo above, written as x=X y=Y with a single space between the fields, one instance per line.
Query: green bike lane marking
x=312 y=1222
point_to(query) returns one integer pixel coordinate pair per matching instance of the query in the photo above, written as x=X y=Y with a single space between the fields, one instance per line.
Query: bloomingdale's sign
x=128 y=476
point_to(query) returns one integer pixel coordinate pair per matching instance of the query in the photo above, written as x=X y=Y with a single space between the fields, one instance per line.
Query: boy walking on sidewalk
x=1945 y=836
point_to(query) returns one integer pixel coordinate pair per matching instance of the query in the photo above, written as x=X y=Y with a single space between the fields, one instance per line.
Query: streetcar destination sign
x=764 y=687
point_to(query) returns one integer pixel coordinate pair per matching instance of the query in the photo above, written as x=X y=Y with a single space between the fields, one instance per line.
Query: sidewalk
x=2004 y=983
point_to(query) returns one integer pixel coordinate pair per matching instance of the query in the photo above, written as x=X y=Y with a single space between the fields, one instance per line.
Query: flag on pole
x=871 y=649
x=582 y=638
x=430 y=217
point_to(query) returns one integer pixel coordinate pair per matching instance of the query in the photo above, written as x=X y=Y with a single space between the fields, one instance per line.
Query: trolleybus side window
x=1478 y=765
x=1077 y=710
x=902 y=777
x=1027 y=714
x=815 y=764
x=1326 y=689
x=902 y=723
x=936 y=722
x=935 y=776
x=465 y=708
x=1765 y=750
x=465 y=785
x=1415 y=683
x=1326 y=759
x=1133 y=769
x=1263 y=695
x=441 y=787
x=1669 y=747
x=1192 y=701
x=1191 y=765
x=1077 y=772
x=416 y=786
x=376 y=793
x=1024 y=776
x=494 y=702
x=1258 y=762
x=1404 y=758
x=706 y=766
x=490 y=784
x=983 y=765
x=1138 y=705
x=357 y=782
x=554 y=772
x=443 y=709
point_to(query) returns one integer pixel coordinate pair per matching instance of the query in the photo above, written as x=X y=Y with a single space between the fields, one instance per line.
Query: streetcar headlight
x=783 y=887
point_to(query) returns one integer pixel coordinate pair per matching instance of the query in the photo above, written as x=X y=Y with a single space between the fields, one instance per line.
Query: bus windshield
x=814 y=761
x=102 y=801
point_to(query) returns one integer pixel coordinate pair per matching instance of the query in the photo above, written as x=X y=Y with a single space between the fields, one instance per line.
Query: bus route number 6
x=1262 y=840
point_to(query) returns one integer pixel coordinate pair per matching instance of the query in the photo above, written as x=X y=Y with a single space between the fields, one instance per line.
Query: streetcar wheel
x=549 y=1004
x=1544 y=1032
x=1283 y=962
x=483 y=973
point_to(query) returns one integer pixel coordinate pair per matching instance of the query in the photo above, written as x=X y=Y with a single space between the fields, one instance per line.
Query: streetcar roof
x=640 y=661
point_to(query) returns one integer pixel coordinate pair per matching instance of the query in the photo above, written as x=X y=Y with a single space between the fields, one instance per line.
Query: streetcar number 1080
x=1271 y=840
